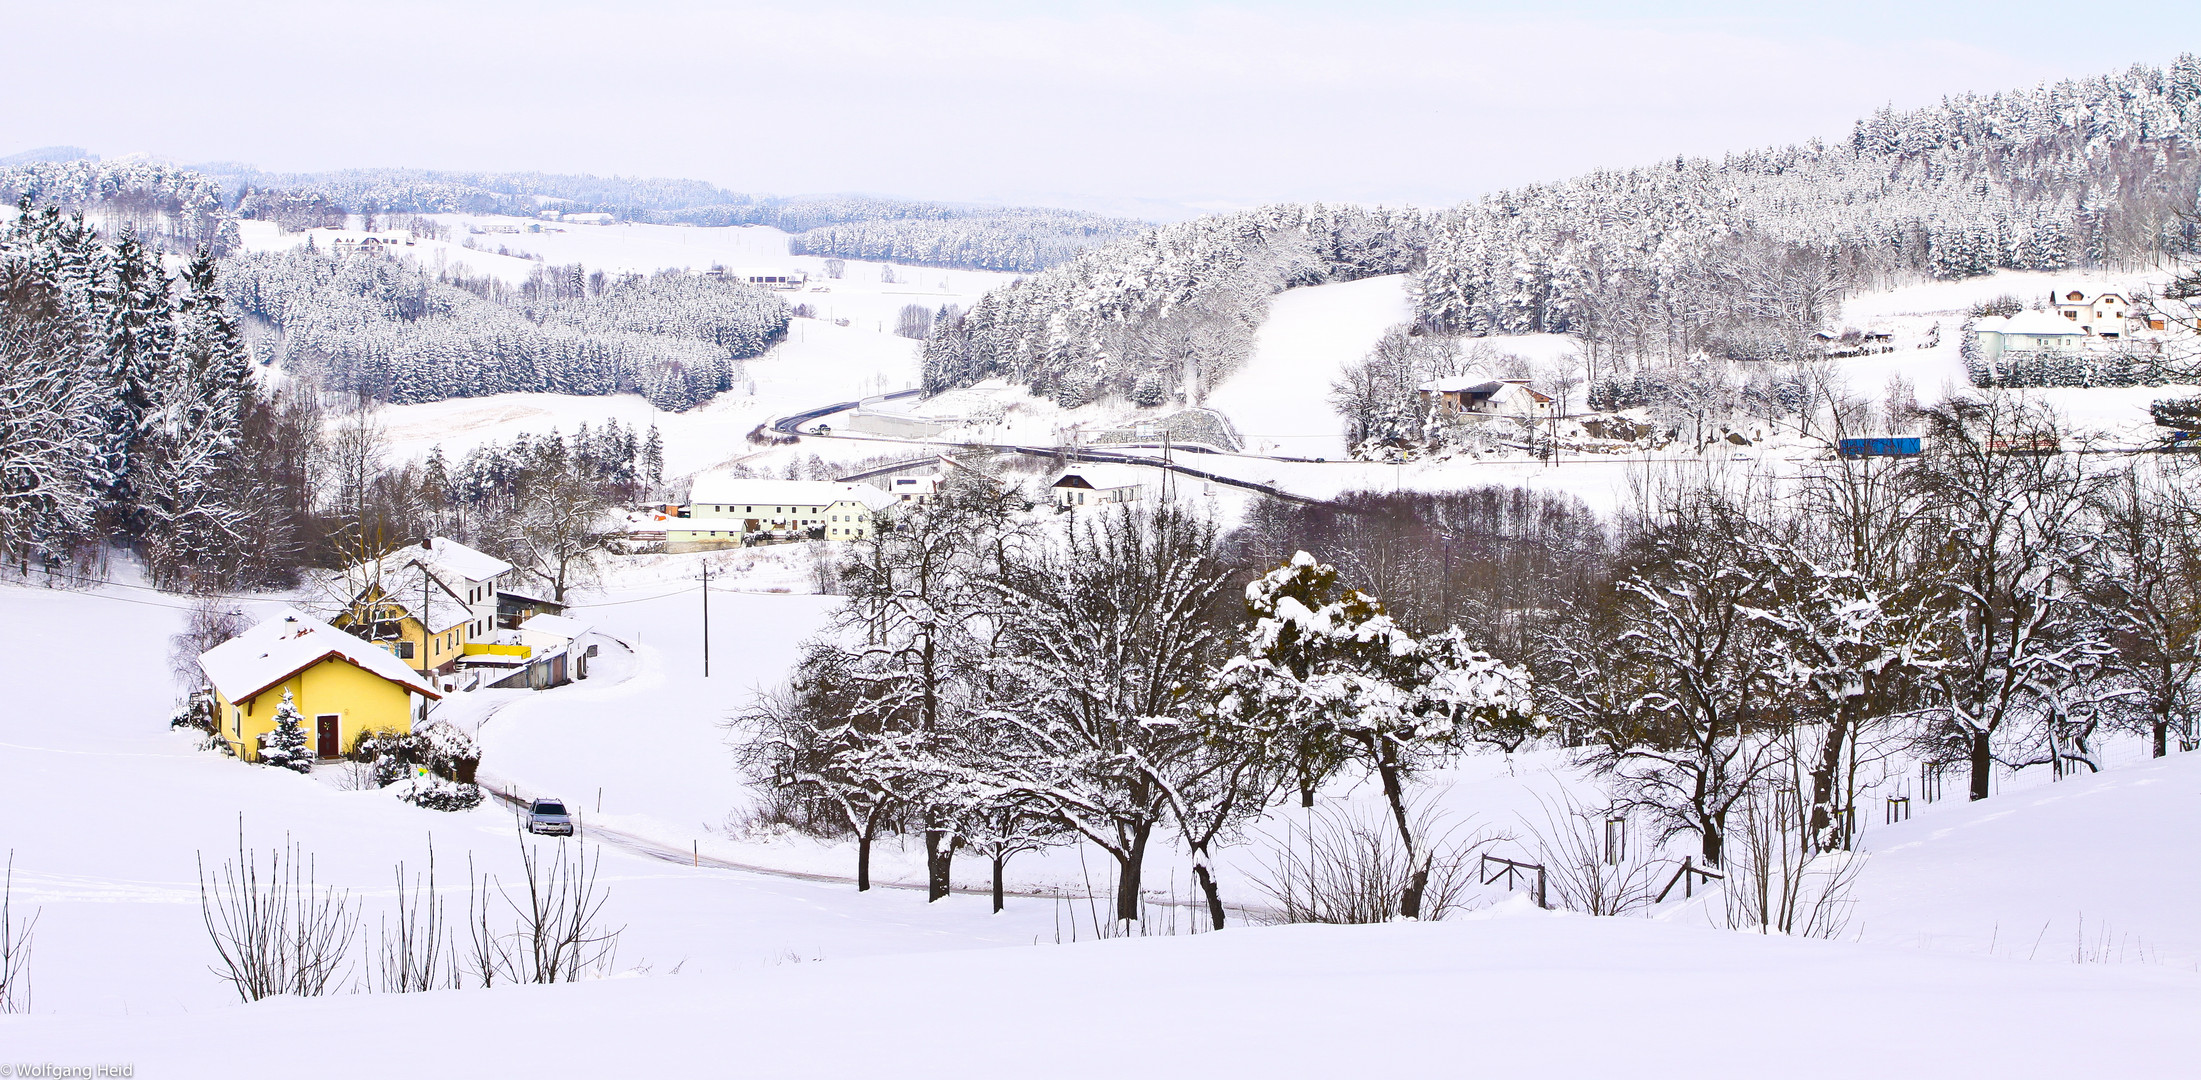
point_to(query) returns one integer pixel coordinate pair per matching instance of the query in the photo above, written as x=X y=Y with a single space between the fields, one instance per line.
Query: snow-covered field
x=2069 y=900
x=1515 y=993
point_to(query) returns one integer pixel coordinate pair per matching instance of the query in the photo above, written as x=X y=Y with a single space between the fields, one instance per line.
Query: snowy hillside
x=1280 y=399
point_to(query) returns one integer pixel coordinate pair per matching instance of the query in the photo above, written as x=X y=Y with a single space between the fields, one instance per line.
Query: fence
x=1514 y=873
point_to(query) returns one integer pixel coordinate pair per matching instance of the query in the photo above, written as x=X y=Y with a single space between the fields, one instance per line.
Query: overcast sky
x=1154 y=108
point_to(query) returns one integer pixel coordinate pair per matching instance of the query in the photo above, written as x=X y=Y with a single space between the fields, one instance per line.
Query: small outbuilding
x=1092 y=485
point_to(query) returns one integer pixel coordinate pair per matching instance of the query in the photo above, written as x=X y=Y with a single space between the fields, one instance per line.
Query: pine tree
x=653 y=459
x=192 y=526
x=52 y=411
x=140 y=337
x=285 y=747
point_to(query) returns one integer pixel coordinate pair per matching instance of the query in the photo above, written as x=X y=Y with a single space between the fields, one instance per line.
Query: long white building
x=726 y=508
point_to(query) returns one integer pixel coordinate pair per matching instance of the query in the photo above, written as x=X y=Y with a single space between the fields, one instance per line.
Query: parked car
x=549 y=817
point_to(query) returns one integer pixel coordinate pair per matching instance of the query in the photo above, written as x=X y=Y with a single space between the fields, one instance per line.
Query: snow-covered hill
x=1280 y=399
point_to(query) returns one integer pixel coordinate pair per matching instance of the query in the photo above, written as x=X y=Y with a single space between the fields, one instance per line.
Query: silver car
x=549 y=817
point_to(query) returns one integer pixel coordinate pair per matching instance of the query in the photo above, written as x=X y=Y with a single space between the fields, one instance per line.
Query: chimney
x=427 y=543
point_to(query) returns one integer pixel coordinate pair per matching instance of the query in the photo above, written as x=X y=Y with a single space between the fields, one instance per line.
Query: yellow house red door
x=326 y=736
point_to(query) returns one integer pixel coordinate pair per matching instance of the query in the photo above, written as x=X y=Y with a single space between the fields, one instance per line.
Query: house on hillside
x=2101 y=313
x=357 y=242
x=343 y=687
x=914 y=489
x=725 y=509
x=767 y=277
x=413 y=615
x=1487 y=397
x=425 y=602
x=1096 y=485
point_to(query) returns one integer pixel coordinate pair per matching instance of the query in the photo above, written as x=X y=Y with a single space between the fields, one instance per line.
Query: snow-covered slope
x=1280 y=399
x=2103 y=869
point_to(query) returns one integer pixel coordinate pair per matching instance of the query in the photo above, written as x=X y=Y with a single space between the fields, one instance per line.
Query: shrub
x=194 y=713
x=1348 y=866
x=440 y=748
x=436 y=793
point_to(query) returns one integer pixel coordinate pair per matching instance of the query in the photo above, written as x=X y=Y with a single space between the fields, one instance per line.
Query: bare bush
x=557 y=932
x=1592 y=866
x=1350 y=866
x=282 y=934
x=416 y=953
x=15 y=948
x=1777 y=880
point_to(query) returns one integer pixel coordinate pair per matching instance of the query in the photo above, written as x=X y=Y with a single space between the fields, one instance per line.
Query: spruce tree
x=285 y=747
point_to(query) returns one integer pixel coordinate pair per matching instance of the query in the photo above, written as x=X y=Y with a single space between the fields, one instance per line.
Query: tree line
x=1166 y=315
x=1743 y=258
x=130 y=415
x=395 y=332
x=1736 y=663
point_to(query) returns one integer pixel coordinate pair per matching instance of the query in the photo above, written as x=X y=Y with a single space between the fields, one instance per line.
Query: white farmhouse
x=726 y=508
x=2026 y=331
x=1095 y=485
x=356 y=242
x=767 y=277
x=915 y=489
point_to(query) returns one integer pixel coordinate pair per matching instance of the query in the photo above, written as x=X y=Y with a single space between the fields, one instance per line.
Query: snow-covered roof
x=750 y=491
x=469 y=563
x=1458 y=384
x=2041 y=324
x=289 y=643
x=1101 y=477
x=555 y=626
x=410 y=584
x=1476 y=384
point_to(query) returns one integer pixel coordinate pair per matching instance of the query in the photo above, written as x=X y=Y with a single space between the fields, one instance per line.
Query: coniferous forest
x=1741 y=258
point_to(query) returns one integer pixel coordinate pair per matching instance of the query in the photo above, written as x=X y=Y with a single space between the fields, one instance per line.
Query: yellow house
x=343 y=687
x=414 y=616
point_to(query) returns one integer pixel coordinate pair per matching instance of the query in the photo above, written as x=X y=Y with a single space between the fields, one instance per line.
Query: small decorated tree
x=285 y=747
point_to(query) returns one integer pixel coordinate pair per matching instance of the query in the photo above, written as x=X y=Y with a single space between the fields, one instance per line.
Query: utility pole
x=706 y=618
x=1169 y=471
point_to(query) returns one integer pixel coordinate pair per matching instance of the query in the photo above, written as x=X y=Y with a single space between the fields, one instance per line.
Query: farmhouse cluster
x=403 y=631
x=437 y=617
x=2080 y=337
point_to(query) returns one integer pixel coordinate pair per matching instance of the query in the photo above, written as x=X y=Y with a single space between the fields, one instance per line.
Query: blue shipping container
x=1857 y=448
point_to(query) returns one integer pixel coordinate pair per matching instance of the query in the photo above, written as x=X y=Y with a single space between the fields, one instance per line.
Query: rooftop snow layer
x=1104 y=477
x=555 y=626
x=288 y=643
x=724 y=490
